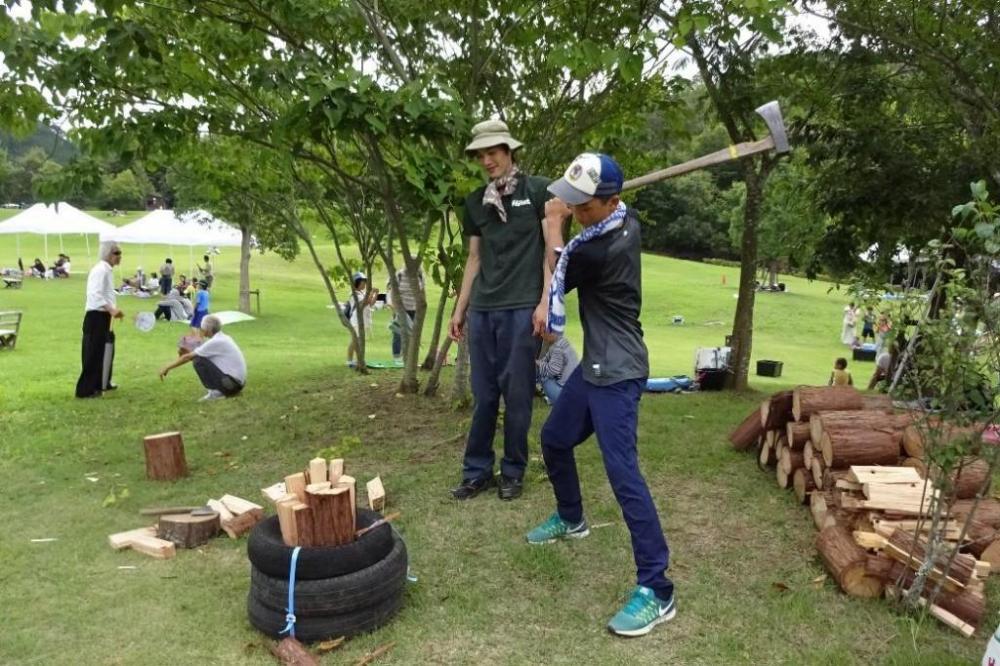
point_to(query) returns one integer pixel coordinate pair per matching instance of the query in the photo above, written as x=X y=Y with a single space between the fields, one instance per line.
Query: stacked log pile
x=858 y=465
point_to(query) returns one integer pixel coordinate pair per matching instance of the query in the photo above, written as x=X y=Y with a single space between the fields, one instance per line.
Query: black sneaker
x=510 y=488
x=471 y=487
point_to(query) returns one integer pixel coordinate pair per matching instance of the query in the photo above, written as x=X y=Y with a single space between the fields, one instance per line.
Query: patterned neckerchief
x=499 y=188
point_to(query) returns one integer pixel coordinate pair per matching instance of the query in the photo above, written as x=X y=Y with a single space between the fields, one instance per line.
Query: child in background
x=365 y=302
x=200 y=306
x=840 y=375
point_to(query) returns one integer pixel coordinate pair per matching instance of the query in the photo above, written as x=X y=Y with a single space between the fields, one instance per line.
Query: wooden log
x=238 y=505
x=747 y=432
x=965 y=605
x=296 y=484
x=911 y=551
x=304 y=525
x=336 y=470
x=187 y=531
x=165 y=456
x=376 y=494
x=782 y=477
x=917 y=464
x=290 y=652
x=767 y=456
x=843 y=447
x=344 y=526
x=316 y=487
x=831 y=476
x=970 y=477
x=846 y=561
x=809 y=399
x=792 y=461
x=917 y=435
x=239 y=525
x=797 y=435
x=881 y=566
x=987 y=511
x=857 y=419
x=807 y=456
x=876 y=402
x=776 y=411
x=991 y=554
x=817 y=470
x=802 y=481
x=318 y=470
x=323 y=516
x=820 y=505
x=286 y=519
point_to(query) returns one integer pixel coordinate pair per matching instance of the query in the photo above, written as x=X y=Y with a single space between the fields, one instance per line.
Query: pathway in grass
x=743 y=556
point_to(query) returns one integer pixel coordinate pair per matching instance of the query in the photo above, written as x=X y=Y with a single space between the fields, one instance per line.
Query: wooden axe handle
x=725 y=155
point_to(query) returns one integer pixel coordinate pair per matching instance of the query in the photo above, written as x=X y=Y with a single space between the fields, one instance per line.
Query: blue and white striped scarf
x=557 y=288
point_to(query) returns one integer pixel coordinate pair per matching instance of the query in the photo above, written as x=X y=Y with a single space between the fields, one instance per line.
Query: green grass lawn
x=748 y=579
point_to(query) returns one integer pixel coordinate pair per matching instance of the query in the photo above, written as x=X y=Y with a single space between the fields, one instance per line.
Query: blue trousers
x=551 y=389
x=397 y=338
x=612 y=413
x=502 y=353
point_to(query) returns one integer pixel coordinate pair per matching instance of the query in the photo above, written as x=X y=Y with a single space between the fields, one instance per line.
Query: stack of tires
x=339 y=590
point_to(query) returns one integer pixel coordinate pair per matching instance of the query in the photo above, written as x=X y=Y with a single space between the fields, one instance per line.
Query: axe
x=776 y=140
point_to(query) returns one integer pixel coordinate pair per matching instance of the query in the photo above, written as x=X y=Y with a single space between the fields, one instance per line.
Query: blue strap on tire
x=290 y=617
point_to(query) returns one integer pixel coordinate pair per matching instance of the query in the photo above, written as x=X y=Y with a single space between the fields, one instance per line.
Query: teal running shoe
x=642 y=612
x=557 y=528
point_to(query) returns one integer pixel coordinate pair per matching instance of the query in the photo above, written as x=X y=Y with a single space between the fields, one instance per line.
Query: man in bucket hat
x=502 y=306
x=602 y=395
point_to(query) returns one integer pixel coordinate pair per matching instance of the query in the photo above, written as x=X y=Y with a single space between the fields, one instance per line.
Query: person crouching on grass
x=218 y=362
x=602 y=395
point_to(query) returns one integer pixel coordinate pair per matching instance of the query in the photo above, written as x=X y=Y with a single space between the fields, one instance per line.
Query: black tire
x=269 y=553
x=311 y=629
x=335 y=596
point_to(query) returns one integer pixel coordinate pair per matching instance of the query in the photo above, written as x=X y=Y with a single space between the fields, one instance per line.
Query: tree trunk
x=432 y=348
x=460 y=394
x=743 y=319
x=434 y=381
x=244 y=305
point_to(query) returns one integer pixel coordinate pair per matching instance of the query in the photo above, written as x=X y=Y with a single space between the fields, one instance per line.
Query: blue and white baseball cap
x=590 y=175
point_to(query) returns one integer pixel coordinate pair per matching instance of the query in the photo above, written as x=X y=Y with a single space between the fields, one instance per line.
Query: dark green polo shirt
x=510 y=253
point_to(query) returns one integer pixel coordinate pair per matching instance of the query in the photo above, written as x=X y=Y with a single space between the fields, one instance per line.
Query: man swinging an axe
x=601 y=397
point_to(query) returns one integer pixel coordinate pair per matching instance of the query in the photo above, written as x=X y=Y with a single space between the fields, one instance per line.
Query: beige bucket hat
x=491 y=133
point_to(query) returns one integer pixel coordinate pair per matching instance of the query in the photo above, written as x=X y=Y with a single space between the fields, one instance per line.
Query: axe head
x=771 y=113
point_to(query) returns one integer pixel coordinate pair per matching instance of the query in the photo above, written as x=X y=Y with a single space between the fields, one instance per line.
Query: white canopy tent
x=54 y=219
x=165 y=227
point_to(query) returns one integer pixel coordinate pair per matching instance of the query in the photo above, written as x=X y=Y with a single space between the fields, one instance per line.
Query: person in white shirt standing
x=218 y=362
x=101 y=307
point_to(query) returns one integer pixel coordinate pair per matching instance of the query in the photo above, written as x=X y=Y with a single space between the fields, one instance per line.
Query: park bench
x=10 y=324
x=12 y=279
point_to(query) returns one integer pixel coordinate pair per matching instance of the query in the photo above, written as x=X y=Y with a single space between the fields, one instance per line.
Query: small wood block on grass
x=376 y=494
x=290 y=652
x=246 y=514
x=143 y=540
x=187 y=531
x=318 y=470
x=165 y=456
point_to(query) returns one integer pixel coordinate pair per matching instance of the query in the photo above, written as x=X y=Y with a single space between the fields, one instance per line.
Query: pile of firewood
x=317 y=507
x=859 y=466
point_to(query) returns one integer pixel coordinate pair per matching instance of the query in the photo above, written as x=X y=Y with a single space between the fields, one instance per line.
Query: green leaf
x=984 y=230
x=979 y=191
